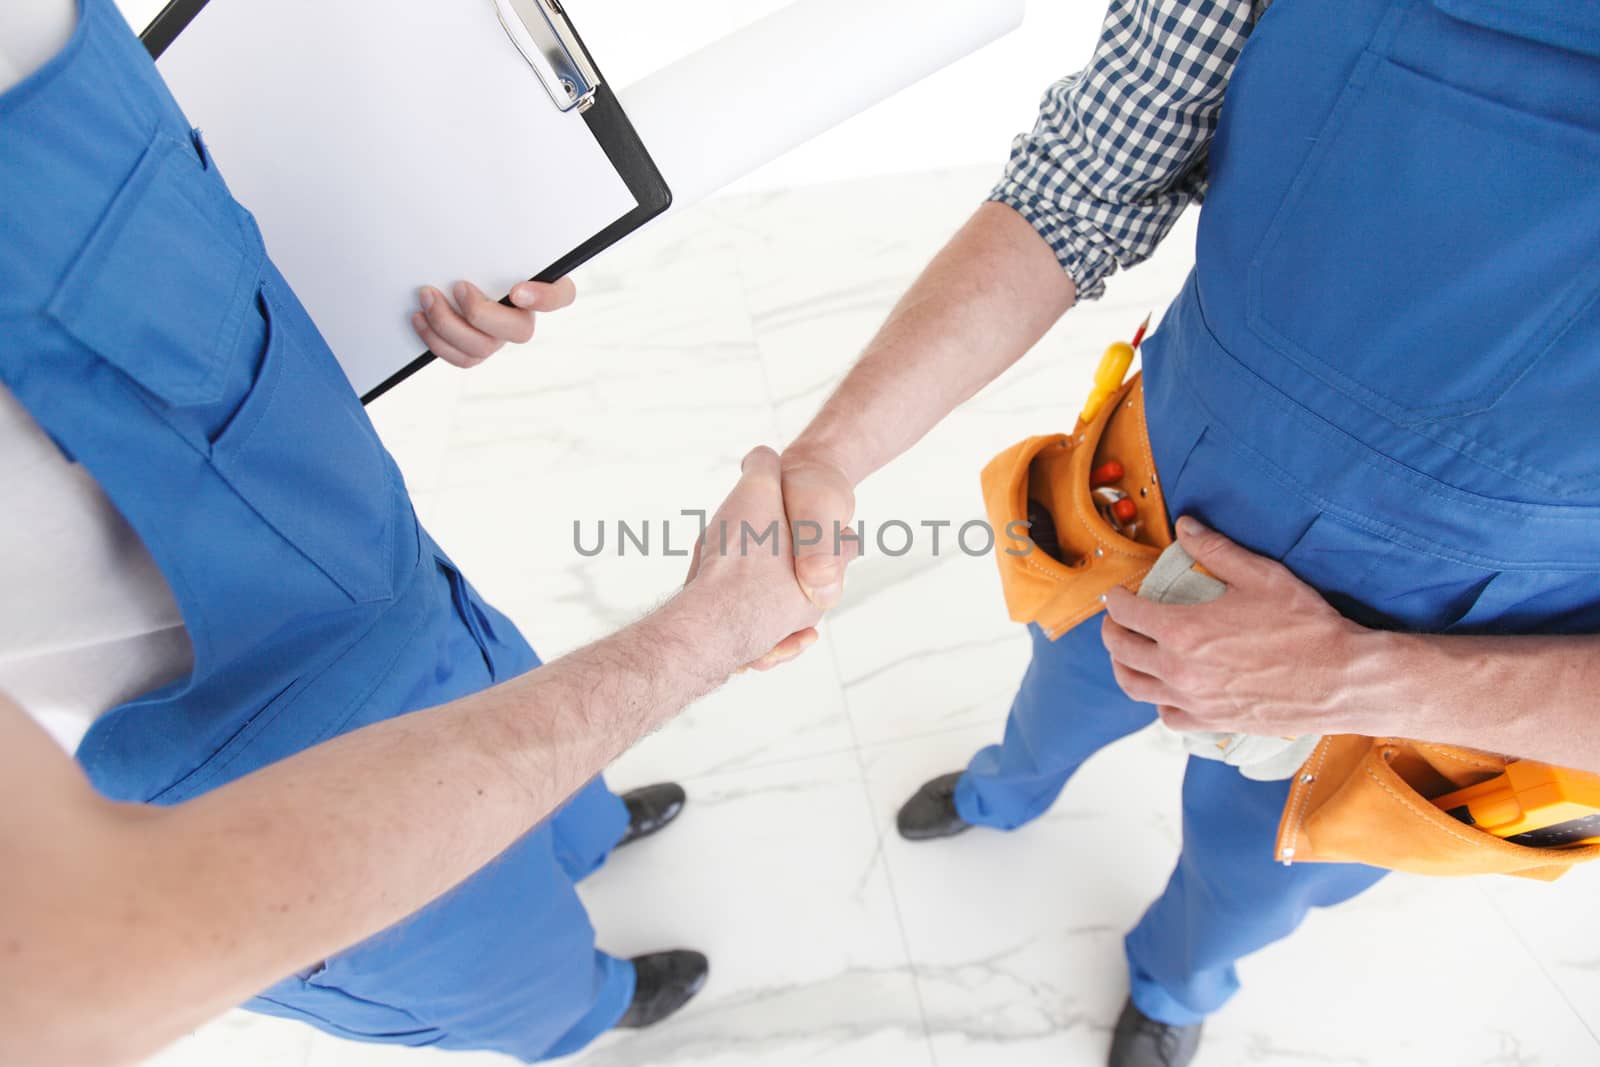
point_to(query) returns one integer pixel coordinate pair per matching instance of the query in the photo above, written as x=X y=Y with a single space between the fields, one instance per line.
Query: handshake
x=772 y=558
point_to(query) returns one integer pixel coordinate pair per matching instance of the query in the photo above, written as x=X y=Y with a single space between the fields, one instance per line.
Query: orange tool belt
x=1356 y=799
x=1387 y=801
x=1054 y=471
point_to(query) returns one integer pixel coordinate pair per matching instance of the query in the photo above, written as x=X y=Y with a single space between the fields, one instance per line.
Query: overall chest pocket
x=165 y=286
x=173 y=290
x=1444 y=234
x=302 y=452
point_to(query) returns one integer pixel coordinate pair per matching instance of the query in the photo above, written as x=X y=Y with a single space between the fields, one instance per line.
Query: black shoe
x=650 y=809
x=1140 y=1041
x=931 y=811
x=666 y=982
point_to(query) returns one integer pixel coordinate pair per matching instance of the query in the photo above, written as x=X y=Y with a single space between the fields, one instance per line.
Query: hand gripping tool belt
x=1356 y=799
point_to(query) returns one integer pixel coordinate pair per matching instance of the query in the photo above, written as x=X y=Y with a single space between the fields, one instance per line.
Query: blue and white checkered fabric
x=1119 y=149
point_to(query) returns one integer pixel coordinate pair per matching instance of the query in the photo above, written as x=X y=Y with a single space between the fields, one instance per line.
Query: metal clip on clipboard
x=541 y=32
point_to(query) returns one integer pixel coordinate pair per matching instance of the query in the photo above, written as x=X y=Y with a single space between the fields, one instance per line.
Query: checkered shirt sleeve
x=1119 y=149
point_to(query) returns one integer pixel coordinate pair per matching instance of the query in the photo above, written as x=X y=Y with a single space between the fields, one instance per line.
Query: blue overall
x=145 y=329
x=1384 y=371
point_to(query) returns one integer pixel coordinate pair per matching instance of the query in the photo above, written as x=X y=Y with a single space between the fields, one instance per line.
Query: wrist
x=708 y=621
x=1380 y=699
x=832 y=449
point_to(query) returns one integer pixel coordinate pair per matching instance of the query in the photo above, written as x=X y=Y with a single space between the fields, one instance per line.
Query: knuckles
x=1180 y=634
x=1180 y=673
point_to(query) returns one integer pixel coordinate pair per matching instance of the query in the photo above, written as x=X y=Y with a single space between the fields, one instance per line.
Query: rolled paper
x=743 y=101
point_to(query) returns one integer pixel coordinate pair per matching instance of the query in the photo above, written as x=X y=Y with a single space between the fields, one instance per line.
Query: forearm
x=201 y=905
x=983 y=302
x=1529 y=696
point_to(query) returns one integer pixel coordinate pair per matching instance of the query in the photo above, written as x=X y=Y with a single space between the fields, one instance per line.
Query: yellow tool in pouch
x=1531 y=804
x=1108 y=378
x=1379 y=801
x=1054 y=471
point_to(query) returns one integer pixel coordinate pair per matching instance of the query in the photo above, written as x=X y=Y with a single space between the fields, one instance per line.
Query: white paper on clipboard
x=383 y=146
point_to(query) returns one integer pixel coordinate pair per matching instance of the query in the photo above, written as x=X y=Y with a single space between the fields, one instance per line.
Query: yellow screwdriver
x=1111 y=372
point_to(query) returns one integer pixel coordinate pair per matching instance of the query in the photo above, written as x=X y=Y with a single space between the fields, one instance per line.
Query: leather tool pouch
x=1369 y=800
x=1053 y=471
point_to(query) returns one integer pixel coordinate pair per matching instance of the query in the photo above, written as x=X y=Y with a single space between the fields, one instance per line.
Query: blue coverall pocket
x=505 y=652
x=1401 y=304
x=173 y=290
x=164 y=290
x=1382 y=583
x=1535 y=602
x=1558 y=23
x=301 y=451
x=465 y=601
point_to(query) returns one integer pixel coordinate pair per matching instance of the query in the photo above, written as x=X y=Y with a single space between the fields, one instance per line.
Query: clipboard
x=562 y=75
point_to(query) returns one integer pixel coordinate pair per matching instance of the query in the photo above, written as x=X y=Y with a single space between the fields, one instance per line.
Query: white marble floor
x=835 y=943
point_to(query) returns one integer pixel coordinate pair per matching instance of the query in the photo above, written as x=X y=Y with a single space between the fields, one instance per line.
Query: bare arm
x=982 y=303
x=161 y=918
x=1534 y=697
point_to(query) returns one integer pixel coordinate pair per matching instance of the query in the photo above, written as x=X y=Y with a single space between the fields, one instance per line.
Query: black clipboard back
x=605 y=119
